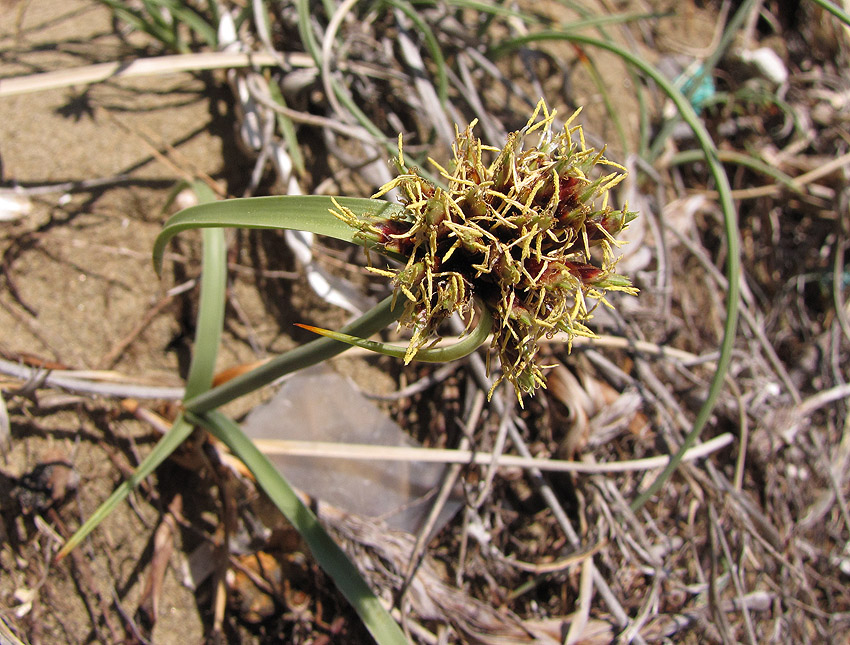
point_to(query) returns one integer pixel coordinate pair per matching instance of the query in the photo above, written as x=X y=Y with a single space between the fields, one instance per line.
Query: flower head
x=530 y=234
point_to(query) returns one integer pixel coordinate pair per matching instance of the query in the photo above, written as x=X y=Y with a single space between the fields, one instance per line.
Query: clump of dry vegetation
x=747 y=542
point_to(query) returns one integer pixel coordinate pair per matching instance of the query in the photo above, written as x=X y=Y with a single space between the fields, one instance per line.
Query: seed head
x=530 y=234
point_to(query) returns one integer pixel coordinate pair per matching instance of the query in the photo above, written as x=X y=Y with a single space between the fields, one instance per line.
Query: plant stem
x=309 y=354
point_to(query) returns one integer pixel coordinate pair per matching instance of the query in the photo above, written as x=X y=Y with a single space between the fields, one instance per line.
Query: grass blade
x=327 y=553
x=178 y=433
x=462 y=348
x=741 y=159
x=207 y=336
x=309 y=354
x=293 y=212
x=836 y=11
x=287 y=130
x=138 y=22
x=730 y=221
x=432 y=45
x=210 y=310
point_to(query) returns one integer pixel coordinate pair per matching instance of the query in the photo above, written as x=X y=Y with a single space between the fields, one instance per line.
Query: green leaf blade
x=325 y=550
x=287 y=212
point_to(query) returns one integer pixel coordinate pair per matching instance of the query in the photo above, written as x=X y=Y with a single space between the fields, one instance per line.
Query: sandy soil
x=77 y=286
x=79 y=292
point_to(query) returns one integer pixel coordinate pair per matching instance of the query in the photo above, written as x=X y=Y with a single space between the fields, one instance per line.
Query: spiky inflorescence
x=517 y=234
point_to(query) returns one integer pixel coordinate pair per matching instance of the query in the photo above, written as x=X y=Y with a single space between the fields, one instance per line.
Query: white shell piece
x=13 y=206
x=767 y=62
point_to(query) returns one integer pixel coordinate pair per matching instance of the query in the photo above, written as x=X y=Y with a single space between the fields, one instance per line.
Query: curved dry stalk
x=261 y=95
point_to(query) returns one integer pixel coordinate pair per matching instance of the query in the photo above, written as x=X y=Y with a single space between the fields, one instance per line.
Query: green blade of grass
x=481 y=7
x=730 y=31
x=834 y=10
x=741 y=159
x=601 y=87
x=296 y=212
x=313 y=47
x=431 y=43
x=138 y=22
x=210 y=307
x=305 y=30
x=213 y=11
x=172 y=439
x=183 y=14
x=207 y=338
x=534 y=37
x=637 y=86
x=295 y=359
x=458 y=350
x=161 y=18
x=730 y=222
x=327 y=553
x=287 y=129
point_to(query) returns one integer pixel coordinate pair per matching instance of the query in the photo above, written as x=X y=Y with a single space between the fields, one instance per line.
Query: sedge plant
x=493 y=242
x=518 y=240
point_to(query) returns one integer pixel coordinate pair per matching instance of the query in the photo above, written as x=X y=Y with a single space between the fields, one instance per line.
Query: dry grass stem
x=492 y=460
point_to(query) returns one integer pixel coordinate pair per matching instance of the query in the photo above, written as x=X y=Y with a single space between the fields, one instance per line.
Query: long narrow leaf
x=207 y=337
x=178 y=433
x=748 y=161
x=834 y=10
x=507 y=45
x=184 y=14
x=602 y=89
x=439 y=354
x=138 y=22
x=295 y=359
x=431 y=43
x=305 y=31
x=327 y=553
x=287 y=212
x=730 y=32
x=730 y=221
x=210 y=313
x=287 y=129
